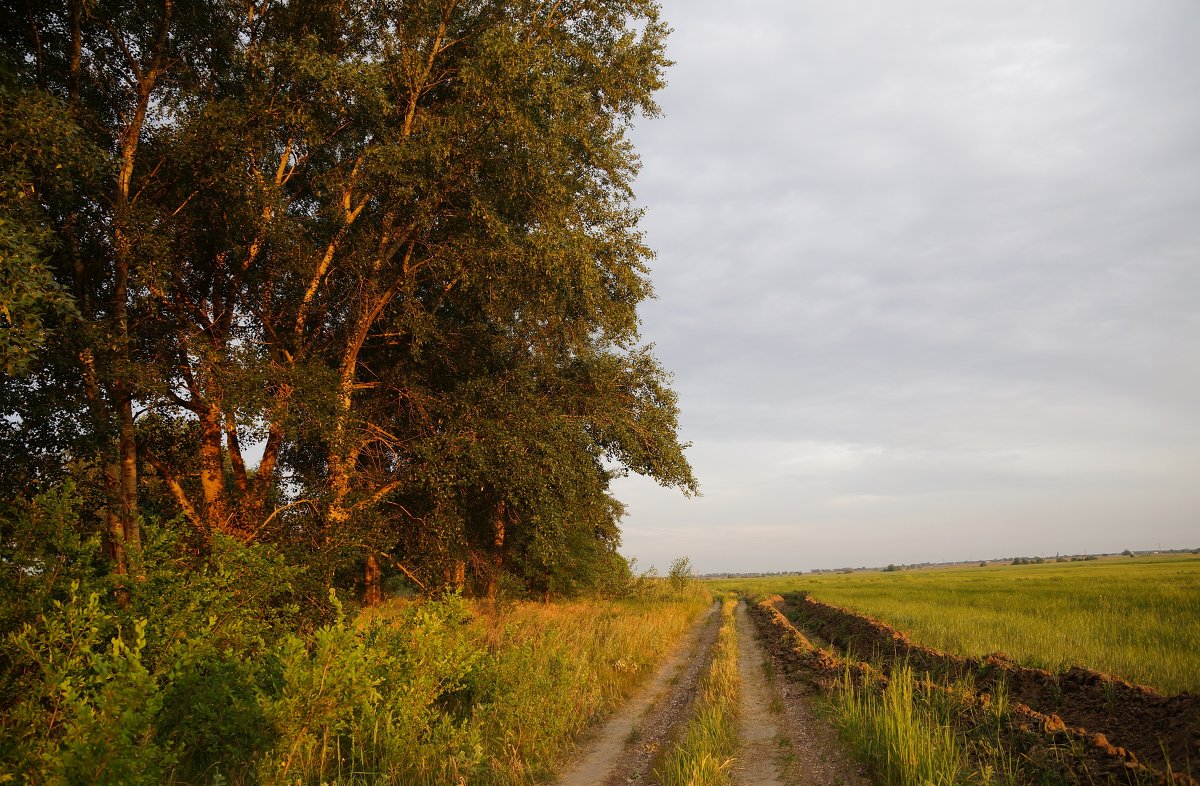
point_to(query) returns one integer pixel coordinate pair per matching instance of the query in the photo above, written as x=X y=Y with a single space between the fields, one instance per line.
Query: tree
x=679 y=575
x=393 y=242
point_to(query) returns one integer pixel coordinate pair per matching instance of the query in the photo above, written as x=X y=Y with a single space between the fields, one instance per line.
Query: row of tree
x=355 y=278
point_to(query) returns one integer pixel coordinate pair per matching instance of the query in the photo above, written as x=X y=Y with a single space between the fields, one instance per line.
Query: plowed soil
x=1125 y=728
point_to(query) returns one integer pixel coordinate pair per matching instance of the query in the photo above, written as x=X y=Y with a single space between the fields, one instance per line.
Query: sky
x=928 y=279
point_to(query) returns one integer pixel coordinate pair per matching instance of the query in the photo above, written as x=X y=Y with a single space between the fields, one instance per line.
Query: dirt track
x=623 y=749
x=782 y=742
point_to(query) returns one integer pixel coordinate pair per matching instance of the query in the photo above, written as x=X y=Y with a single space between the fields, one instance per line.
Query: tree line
x=356 y=280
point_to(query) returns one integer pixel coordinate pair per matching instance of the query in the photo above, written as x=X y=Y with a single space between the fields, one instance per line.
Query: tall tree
x=390 y=242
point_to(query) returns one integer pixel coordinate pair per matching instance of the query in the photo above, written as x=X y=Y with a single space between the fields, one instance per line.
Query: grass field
x=1137 y=618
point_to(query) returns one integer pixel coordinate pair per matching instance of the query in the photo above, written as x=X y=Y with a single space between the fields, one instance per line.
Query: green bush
x=212 y=715
x=89 y=706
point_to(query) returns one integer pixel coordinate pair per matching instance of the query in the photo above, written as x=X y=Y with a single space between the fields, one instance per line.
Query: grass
x=904 y=740
x=704 y=755
x=1136 y=618
x=529 y=678
x=914 y=732
x=557 y=667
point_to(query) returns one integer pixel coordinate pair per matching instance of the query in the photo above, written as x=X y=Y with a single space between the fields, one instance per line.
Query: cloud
x=924 y=264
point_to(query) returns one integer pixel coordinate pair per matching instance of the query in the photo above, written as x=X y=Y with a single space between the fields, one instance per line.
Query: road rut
x=624 y=748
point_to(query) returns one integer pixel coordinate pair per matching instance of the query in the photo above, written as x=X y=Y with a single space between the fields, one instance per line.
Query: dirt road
x=623 y=750
x=765 y=743
x=782 y=742
x=803 y=747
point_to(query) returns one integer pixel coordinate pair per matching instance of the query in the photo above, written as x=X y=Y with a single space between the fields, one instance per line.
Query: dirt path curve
x=622 y=751
x=758 y=726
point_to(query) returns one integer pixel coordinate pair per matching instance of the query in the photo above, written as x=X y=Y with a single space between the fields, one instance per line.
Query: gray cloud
x=921 y=267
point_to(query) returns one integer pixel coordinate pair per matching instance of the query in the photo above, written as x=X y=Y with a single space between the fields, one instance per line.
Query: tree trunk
x=114 y=538
x=372 y=592
x=128 y=490
x=212 y=470
x=498 y=532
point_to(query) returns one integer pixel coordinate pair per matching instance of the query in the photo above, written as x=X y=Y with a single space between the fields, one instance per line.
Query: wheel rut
x=623 y=750
x=784 y=740
x=760 y=758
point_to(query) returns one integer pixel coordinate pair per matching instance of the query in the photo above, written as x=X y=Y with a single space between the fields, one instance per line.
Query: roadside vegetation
x=1137 y=618
x=415 y=691
x=704 y=754
x=911 y=731
x=305 y=307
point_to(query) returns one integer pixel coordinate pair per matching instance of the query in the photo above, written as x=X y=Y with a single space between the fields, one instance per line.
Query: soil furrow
x=623 y=750
x=1095 y=757
x=1156 y=729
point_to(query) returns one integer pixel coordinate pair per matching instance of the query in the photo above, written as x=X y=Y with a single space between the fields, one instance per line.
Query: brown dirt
x=783 y=741
x=758 y=760
x=624 y=749
x=1150 y=727
x=1037 y=731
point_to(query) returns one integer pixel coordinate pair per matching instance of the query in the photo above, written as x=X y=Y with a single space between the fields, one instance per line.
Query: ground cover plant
x=1136 y=618
x=416 y=691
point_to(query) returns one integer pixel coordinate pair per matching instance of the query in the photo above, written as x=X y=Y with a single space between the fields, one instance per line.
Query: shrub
x=89 y=706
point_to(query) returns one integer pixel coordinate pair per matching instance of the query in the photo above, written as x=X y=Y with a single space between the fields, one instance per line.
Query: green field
x=1137 y=618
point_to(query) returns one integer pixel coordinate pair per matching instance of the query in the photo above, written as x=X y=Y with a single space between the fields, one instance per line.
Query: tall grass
x=904 y=740
x=538 y=675
x=704 y=755
x=1136 y=618
x=554 y=668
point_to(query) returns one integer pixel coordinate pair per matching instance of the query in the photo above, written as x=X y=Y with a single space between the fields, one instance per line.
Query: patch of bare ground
x=784 y=740
x=624 y=749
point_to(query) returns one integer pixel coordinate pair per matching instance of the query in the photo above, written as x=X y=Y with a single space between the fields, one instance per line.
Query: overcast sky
x=928 y=278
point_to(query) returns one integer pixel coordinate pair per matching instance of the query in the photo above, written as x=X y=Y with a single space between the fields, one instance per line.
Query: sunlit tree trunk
x=372 y=592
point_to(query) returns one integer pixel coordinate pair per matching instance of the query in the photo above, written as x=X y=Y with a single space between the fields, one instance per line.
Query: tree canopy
x=356 y=278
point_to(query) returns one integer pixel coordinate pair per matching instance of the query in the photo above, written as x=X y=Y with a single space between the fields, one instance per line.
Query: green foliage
x=378 y=700
x=403 y=254
x=211 y=714
x=906 y=740
x=44 y=552
x=88 y=702
x=679 y=574
x=42 y=154
x=238 y=598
